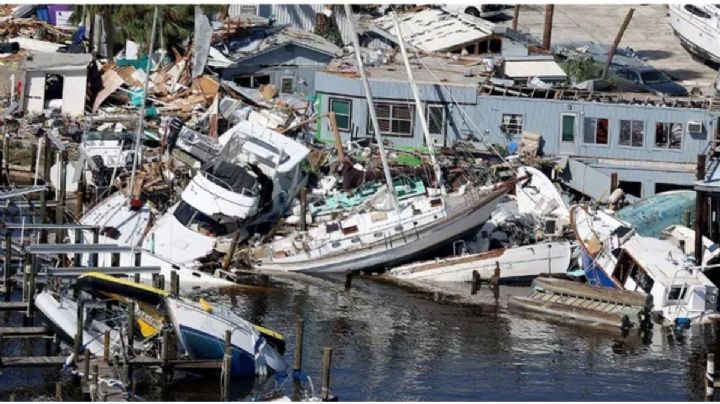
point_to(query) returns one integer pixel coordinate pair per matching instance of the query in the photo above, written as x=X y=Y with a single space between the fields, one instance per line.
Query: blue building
x=652 y=144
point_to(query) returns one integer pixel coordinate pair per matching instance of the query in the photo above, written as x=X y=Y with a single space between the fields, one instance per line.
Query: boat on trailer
x=615 y=256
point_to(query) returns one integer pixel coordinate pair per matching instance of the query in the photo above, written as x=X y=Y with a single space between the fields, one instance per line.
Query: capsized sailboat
x=615 y=256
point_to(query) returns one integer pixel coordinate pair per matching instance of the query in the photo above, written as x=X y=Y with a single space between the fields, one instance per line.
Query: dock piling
x=174 y=283
x=227 y=366
x=86 y=369
x=131 y=324
x=78 y=240
x=60 y=209
x=78 y=343
x=297 y=357
x=348 y=280
x=96 y=240
x=327 y=360
x=106 y=347
x=58 y=391
x=710 y=377
x=475 y=283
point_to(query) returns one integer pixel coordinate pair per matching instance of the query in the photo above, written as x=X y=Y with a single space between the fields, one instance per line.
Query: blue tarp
x=651 y=215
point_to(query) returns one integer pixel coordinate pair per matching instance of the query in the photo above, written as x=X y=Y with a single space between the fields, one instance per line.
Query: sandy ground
x=649 y=34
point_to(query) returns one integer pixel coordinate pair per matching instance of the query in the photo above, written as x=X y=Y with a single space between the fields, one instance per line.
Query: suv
x=652 y=80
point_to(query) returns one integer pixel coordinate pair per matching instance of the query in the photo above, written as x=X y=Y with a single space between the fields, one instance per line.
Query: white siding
x=35 y=92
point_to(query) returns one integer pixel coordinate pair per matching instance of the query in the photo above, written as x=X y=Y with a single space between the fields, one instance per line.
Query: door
x=35 y=92
x=568 y=133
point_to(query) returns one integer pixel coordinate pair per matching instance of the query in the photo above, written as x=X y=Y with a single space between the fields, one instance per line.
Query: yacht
x=698 y=28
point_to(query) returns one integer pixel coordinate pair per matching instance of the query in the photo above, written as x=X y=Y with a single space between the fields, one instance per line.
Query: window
x=252 y=81
x=595 y=130
x=697 y=11
x=287 y=85
x=436 y=119
x=568 y=128
x=668 y=135
x=247 y=9
x=633 y=188
x=342 y=110
x=665 y=187
x=632 y=133
x=512 y=124
x=395 y=119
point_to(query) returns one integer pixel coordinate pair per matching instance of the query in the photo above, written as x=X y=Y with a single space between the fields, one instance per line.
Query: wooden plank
x=560 y=286
x=13 y=306
x=33 y=361
x=16 y=331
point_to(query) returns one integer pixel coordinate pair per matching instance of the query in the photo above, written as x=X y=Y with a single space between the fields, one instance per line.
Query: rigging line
x=462 y=111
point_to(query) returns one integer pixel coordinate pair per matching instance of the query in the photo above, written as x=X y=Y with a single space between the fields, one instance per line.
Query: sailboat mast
x=141 y=123
x=371 y=105
x=420 y=107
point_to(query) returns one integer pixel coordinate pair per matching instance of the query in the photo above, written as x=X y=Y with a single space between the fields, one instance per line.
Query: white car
x=477 y=10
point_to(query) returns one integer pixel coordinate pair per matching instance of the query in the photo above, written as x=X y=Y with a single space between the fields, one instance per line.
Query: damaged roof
x=434 y=29
x=533 y=67
x=286 y=36
x=56 y=61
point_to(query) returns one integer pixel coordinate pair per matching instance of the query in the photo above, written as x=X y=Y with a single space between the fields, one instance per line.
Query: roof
x=252 y=47
x=533 y=68
x=56 y=61
x=434 y=30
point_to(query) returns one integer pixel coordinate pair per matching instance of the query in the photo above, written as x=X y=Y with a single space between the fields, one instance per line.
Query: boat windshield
x=654 y=77
x=199 y=222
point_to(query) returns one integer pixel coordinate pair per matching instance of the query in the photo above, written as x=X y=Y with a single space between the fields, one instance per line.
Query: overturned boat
x=615 y=256
x=515 y=265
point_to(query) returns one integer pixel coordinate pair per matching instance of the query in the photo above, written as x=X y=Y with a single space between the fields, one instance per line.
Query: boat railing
x=216 y=180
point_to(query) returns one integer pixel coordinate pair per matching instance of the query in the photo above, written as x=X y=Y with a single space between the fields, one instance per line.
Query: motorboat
x=698 y=28
x=615 y=256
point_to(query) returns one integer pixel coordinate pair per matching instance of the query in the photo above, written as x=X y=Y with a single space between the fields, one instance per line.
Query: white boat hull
x=516 y=264
x=700 y=36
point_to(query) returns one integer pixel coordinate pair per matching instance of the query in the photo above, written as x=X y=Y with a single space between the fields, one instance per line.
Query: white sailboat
x=614 y=256
x=384 y=237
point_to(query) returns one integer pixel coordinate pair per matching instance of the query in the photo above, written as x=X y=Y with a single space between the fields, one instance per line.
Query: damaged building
x=650 y=142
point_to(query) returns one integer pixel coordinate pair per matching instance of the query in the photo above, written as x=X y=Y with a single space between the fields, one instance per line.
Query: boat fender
x=205 y=305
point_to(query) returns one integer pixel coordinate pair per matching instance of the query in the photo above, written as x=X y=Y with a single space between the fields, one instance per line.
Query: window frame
x=620 y=128
x=443 y=124
x=655 y=147
x=349 y=114
x=596 y=144
x=390 y=119
x=503 y=127
x=292 y=85
x=575 y=127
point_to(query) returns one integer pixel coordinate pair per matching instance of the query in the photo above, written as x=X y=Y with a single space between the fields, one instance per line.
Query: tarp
x=201 y=43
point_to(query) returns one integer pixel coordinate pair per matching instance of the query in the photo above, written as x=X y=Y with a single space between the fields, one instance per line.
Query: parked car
x=477 y=10
x=651 y=80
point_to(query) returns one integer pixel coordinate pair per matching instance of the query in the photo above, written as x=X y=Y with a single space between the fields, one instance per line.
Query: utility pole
x=547 y=31
x=615 y=44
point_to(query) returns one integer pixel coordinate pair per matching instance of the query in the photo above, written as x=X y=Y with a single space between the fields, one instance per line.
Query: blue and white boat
x=615 y=256
x=201 y=330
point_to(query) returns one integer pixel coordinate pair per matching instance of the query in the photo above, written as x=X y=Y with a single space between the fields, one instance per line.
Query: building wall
x=481 y=116
x=73 y=100
x=291 y=60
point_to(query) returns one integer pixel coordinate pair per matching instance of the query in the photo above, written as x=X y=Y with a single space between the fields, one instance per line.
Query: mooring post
x=58 y=391
x=302 y=195
x=297 y=358
x=96 y=378
x=326 y=362
x=710 y=378
x=348 y=280
x=86 y=368
x=60 y=210
x=106 y=347
x=78 y=241
x=131 y=324
x=174 y=283
x=78 y=343
x=8 y=263
x=227 y=366
x=475 y=282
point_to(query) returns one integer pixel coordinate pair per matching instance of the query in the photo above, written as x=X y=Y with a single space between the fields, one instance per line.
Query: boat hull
x=396 y=252
x=698 y=36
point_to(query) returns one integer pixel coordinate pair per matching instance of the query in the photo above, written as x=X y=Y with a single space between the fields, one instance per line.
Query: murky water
x=394 y=344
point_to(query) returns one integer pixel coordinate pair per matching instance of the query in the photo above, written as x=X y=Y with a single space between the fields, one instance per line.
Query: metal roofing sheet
x=533 y=68
x=434 y=30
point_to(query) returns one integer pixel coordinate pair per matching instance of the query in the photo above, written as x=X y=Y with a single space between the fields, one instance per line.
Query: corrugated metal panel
x=533 y=68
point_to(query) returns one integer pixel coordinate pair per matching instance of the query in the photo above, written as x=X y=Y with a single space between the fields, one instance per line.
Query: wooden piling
x=26 y=274
x=106 y=347
x=164 y=348
x=227 y=366
x=547 y=27
x=86 y=369
x=30 y=313
x=297 y=358
x=615 y=43
x=131 y=324
x=302 y=195
x=475 y=283
x=161 y=282
x=174 y=283
x=614 y=182
x=58 y=391
x=60 y=209
x=96 y=378
x=327 y=361
x=348 y=280
x=138 y=263
x=78 y=241
x=231 y=251
x=710 y=378
x=80 y=196
x=94 y=258
x=8 y=263
x=78 y=343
